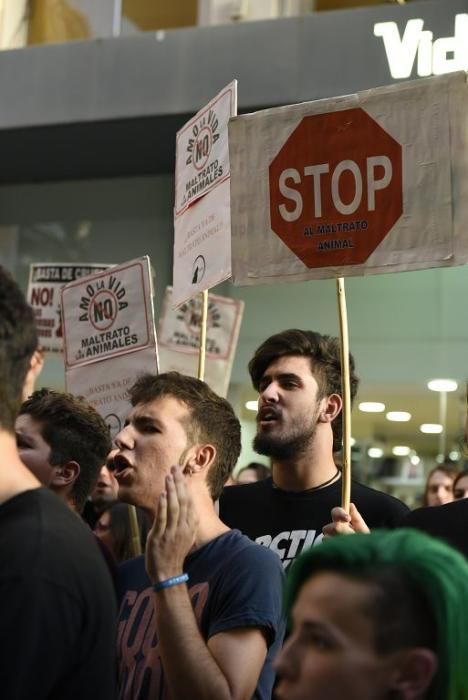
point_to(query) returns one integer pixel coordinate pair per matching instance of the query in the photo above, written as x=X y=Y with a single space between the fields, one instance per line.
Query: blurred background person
x=252 y=472
x=439 y=485
x=104 y=494
x=114 y=531
x=375 y=617
x=460 y=486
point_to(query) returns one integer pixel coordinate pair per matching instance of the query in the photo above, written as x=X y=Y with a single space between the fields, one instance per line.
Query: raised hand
x=173 y=532
x=344 y=524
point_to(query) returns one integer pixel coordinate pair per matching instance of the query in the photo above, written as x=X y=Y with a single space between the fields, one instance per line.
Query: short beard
x=282 y=449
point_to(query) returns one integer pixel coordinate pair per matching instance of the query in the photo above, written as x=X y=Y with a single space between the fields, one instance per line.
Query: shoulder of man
x=241 y=492
x=449 y=522
x=378 y=509
x=249 y=591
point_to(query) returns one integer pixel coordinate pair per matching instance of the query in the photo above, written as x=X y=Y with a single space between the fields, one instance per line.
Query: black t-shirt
x=57 y=604
x=232 y=584
x=288 y=522
x=449 y=523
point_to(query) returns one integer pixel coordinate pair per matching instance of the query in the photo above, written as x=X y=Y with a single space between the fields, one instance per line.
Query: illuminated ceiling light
x=375 y=452
x=398 y=416
x=454 y=455
x=432 y=428
x=442 y=385
x=251 y=405
x=401 y=450
x=352 y=442
x=372 y=407
x=415 y=460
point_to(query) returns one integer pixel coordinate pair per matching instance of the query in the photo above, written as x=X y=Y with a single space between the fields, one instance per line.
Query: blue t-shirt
x=233 y=584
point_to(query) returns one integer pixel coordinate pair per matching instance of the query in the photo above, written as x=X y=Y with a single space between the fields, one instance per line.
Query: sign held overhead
x=202 y=222
x=364 y=184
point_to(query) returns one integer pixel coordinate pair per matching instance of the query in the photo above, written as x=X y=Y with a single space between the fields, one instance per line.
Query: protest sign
x=45 y=283
x=202 y=248
x=179 y=337
x=109 y=336
x=369 y=183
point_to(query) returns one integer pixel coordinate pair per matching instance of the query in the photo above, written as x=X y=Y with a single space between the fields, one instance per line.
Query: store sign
x=417 y=46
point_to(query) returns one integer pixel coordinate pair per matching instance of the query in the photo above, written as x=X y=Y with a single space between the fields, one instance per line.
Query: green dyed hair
x=421 y=596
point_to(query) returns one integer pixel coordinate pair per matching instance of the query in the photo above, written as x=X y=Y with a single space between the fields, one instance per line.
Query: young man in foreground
x=203 y=619
x=57 y=610
x=376 y=617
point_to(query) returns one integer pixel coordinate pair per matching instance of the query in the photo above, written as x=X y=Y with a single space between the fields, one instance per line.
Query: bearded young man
x=202 y=617
x=298 y=376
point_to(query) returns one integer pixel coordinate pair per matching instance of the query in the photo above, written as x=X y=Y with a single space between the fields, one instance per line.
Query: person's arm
x=344 y=524
x=229 y=665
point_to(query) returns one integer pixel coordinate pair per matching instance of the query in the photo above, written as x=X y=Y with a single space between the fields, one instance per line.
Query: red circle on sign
x=202 y=147
x=103 y=310
x=336 y=188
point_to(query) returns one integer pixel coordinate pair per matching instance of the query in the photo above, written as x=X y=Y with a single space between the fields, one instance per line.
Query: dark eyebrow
x=314 y=627
x=142 y=422
x=285 y=376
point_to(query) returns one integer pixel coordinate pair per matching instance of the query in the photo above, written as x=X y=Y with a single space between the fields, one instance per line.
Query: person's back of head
x=416 y=593
x=253 y=471
x=212 y=419
x=77 y=436
x=325 y=364
x=18 y=342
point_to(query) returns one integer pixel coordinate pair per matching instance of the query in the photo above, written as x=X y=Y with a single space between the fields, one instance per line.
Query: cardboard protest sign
x=45 y=283
x=369 y=183
x=202 y=249
x=105 y=383
x=109 y=336
x=179 y=338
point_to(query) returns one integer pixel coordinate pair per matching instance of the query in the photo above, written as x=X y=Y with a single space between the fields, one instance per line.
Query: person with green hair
x=376 y=617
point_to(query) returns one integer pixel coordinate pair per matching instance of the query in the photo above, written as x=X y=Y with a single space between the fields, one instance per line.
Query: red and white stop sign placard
x=336 y=188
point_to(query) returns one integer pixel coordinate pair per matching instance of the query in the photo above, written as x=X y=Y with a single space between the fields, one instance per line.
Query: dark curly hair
x=75 y=431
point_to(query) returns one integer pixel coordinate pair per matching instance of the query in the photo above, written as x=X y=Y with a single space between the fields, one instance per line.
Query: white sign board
x=105 y=384
x=179 y=338
x=202 y=249
x=109 y=336
x=369 y=183
x=45 y=283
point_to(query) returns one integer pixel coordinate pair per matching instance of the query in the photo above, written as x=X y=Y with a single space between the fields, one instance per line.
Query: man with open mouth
x=201 y=615
x=298 y=376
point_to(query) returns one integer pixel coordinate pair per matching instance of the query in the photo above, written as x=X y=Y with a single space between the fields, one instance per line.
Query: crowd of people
x=232 y=598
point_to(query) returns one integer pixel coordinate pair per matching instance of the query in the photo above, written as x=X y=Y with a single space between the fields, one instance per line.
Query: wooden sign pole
x=202 y=351
x=346 y=394
x=135 y=531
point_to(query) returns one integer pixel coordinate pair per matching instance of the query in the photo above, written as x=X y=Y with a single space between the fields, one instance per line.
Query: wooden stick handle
x=346 y=394
x=135 y=531
x=202 y=350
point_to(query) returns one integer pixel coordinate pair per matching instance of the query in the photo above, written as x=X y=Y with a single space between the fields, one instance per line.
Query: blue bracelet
x=168 y=582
